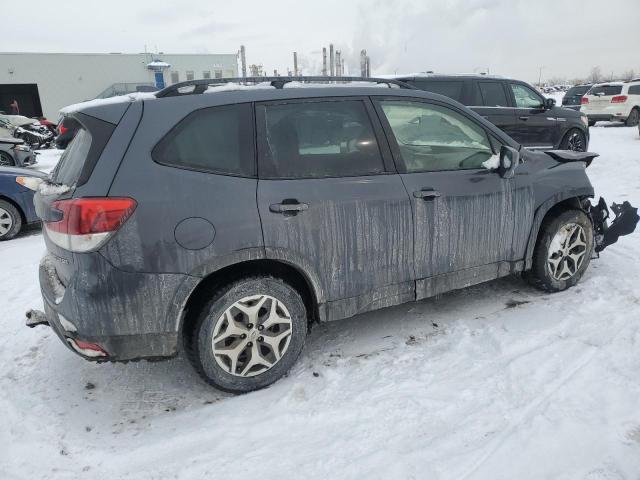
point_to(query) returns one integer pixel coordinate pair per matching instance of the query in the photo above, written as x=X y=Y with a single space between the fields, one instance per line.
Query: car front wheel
x=563 y=251
x=10 y=221
x=249 y=334
x=574 y=140
x=6 y=160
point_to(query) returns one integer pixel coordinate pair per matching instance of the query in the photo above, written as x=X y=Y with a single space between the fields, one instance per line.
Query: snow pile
x=231 y=86
x=131 y=97
x=496 y=382
x=45 y=188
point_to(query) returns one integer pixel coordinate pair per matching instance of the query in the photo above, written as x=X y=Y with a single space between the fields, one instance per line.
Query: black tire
x=10 y=221
x=634 y=118
x=574 y=140
x=6 y=160
x=540 y=275
x=200 y=347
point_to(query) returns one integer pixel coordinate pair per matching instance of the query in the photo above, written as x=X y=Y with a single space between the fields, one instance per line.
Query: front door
x=330 y=200
x=464 y=212
x=538 y=125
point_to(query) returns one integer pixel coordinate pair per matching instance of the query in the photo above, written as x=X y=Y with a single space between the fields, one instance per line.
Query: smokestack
x=275 y=73
x=368 y=66
x=243 y=61
x=338 y=64
x=341 y=65
x=332 y=61
x=295 y=64
x=324 y=62
x=363 y=63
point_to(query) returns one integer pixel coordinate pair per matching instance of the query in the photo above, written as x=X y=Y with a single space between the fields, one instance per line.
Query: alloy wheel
x=567 y=251
x=6 y=222
x=576 y=142
x=6 y=160
x=252 y=335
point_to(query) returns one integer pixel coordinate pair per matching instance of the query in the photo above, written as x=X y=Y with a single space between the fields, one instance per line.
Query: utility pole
x=243 y=61
x=324 y=61
x=295 y=64
x=332 y=61
x=540 y=76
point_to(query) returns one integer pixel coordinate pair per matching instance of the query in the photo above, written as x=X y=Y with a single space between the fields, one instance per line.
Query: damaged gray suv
x=222 y=217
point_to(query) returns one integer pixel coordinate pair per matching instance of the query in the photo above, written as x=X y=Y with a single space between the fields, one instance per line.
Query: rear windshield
x=577 y=91
x=451 y=89
x=70 y=166
x=606 y=90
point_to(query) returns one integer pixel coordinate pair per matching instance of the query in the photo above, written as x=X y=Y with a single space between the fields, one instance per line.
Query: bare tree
x=596 y=75
x=629 y=75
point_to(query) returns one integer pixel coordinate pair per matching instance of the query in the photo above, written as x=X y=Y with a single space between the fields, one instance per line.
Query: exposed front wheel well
x=233 y=273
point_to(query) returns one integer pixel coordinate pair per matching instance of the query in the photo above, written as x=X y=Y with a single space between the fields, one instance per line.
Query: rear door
x=464 y=213
x=329 y=198
x=491 y=99
x=536 y=125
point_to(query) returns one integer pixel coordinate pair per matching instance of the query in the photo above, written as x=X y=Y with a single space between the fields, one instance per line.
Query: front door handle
x=292 y=207
x=524 y=118
x=426 y=194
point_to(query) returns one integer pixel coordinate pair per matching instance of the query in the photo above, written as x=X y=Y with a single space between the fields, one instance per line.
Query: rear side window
x=493 y=94
x=72 y=160
x=634 y=90
x=318 y=139
x=216 y=139
x=606 y=90
x=451 y=89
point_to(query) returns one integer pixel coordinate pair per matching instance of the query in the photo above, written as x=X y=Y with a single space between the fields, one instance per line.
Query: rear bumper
x=126 y=314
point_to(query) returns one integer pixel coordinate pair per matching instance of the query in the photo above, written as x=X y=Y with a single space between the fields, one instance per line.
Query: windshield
x=575 y=91
x=606 y=90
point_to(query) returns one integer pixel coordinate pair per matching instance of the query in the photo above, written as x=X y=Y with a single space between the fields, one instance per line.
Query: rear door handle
x=288 y=207
x=524 y=118
x=426 y=194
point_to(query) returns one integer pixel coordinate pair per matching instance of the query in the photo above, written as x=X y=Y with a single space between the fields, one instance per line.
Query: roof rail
x=200 y=86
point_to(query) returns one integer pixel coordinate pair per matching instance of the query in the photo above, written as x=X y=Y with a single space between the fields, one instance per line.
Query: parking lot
x=498 y=381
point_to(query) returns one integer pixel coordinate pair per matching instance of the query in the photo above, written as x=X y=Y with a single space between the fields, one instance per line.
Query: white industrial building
x=43 y=83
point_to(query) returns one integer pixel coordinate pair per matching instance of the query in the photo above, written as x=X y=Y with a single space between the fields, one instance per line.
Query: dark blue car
x=16 y=200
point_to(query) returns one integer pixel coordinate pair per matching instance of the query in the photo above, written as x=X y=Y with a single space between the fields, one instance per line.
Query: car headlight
x=22 y=148
x=584 y=119
x=29 y=182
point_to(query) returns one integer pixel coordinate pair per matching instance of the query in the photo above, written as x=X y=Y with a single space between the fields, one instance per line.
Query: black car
x=66 y=130
x=515 y=107
x=223 y=223
x=573 y=97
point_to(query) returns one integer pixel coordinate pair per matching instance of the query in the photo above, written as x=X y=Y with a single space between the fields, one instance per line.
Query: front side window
x=493 y=94
x=525 y=97
x=216 y=139
x=318 y=139
x=433 y=138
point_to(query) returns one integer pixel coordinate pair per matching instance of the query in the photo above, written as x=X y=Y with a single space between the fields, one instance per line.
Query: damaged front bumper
x=625 y=221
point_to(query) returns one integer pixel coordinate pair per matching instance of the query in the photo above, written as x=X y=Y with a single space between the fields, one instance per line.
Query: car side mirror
x=549 y=103
x=509 y=159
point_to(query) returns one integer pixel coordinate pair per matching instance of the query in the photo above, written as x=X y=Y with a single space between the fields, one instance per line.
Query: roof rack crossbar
x=200 y=86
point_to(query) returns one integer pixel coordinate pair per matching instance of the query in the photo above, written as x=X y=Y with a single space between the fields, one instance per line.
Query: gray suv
x=226 y=220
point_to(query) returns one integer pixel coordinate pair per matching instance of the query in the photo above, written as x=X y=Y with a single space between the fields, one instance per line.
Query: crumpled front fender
x=625 y=221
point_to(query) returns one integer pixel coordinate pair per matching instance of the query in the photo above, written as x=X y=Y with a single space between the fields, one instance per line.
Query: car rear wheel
x=6 y=160
x=249 y=334
x=633 y=118
x=10 y=221
x=563 y=251
x=574 y=140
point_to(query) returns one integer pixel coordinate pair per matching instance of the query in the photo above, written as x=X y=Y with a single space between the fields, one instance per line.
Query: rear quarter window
x=448 y=88
x=73 y=159
x=634 y=90
x=215 y=139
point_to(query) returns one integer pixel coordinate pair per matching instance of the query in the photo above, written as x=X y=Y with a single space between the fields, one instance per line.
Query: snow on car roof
x=130 y=97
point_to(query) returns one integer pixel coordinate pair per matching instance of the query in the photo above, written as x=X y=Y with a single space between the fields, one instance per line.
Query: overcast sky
x=508 y=37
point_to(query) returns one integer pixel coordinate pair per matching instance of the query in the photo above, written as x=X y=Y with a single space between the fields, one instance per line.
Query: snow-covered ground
x=498 y=381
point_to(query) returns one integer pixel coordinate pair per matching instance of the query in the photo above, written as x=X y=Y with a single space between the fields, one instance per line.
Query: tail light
x=62 y=129
x=87 y=223
x=584 y=101
x=619 y=99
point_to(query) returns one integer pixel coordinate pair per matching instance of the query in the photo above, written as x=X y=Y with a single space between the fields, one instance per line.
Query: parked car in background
x=613 y=101
x=333 y=202
x=67 y=128
x=17 y=187
x=572 y=99
x=14 y=152
x=515 y=107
